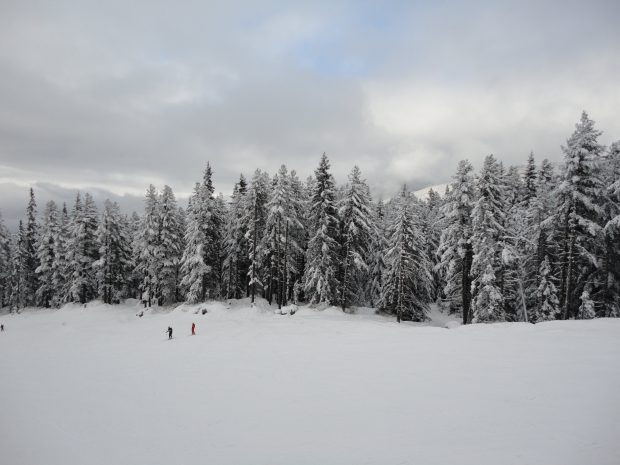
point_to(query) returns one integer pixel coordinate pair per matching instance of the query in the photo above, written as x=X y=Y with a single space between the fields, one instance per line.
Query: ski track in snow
x=98 y=385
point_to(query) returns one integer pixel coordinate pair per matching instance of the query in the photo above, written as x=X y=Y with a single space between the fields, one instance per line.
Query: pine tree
x=320 y=282
x=171 y=246
x=219 y=221
x=530 y=181
x=455 y=245
x=150 y=258
x=297 y=240
x=31 y=282
x=83 y=250
x=114 y=264
x=546 y=294
x=255 y=220
x=46 y=250
x=279 y=245
x=432 y=227
x=235 y=266
x=488 y=221
x=356 y=219
x=61 y=280
x=193 y=267
x=407 y=281
x=134 y=226
x=211 y=221
x=579 y=211
x=5 y=264
x=610 y=269
x=377 y=253
x=18 y=270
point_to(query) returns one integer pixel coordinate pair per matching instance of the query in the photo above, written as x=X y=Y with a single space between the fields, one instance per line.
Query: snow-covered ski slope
x=99 y=385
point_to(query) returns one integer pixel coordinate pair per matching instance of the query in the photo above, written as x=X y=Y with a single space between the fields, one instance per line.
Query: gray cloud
x=110 y=97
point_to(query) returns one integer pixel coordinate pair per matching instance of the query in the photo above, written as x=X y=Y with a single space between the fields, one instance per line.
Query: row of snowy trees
x=503 y=245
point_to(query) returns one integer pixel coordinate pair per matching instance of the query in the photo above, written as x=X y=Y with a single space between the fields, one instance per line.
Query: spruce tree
x=320 y=280
x=407 y=280
x=377 y=253
x=83 y=250
x=150 y=258
x=455 y=245
x=5 y=264
x=488 y=221
x=579 y=213
x=31 y=282
x=355 y=215
x=61 y=279
x=255 y=220
x=46 y=251
x=18 y=270
x=546 y=294
x=114 y=264
x=610 y=236
x=194 y=270
x=170 y=246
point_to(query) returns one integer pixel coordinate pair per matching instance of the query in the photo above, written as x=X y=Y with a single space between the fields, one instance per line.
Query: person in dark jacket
x=169 y=332
x=1 y=327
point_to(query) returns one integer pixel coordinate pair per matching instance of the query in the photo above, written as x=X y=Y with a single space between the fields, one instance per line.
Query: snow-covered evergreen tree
x=212 y=217
x=83 y=250
x=377 y=253
x=17 y=299
x=488 y=220
x=31 y=282
x=587 y=307
x=134 y=226
x=355 y=215
x=5 y=264
x=610 y=237
x=530 y=184
x=320 y=280
x=235 y=266
x=194 y=270
x=546 y=294
x=46 y=250
x=579 y=212
x=255 y=219
x=455 y=246
x=114 y=263
x=61 y=279
x=170 y=246
x=280 y=246
x=150 y=258
x=298 y=239
x=407 y=280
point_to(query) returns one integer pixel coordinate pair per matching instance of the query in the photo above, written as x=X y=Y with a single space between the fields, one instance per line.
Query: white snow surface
x=98 y=385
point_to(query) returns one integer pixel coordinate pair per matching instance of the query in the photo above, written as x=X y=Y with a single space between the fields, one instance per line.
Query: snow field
x=98 y=385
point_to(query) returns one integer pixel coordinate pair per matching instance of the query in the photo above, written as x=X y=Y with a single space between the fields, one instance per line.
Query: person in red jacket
x=193 y=329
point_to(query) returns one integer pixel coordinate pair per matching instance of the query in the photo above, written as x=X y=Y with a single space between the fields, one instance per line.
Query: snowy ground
x=101 y=386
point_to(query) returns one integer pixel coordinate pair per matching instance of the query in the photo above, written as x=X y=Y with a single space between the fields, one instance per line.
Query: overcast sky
x=109 y=96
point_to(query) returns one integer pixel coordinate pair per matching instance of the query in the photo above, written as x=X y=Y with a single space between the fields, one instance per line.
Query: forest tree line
x=503 y=244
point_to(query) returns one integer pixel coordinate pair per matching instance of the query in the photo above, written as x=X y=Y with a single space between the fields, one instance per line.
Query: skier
x=193 y=329
x=169 y=331
x=2 y=328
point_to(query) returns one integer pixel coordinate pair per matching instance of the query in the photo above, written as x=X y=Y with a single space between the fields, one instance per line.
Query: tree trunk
x=284 y=288
x=568 y=284
x=343 y=296
x=466 y=284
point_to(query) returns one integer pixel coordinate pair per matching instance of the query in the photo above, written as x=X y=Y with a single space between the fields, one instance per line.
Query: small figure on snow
x=169 y=331
x=1 y=327
x=193 y=329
